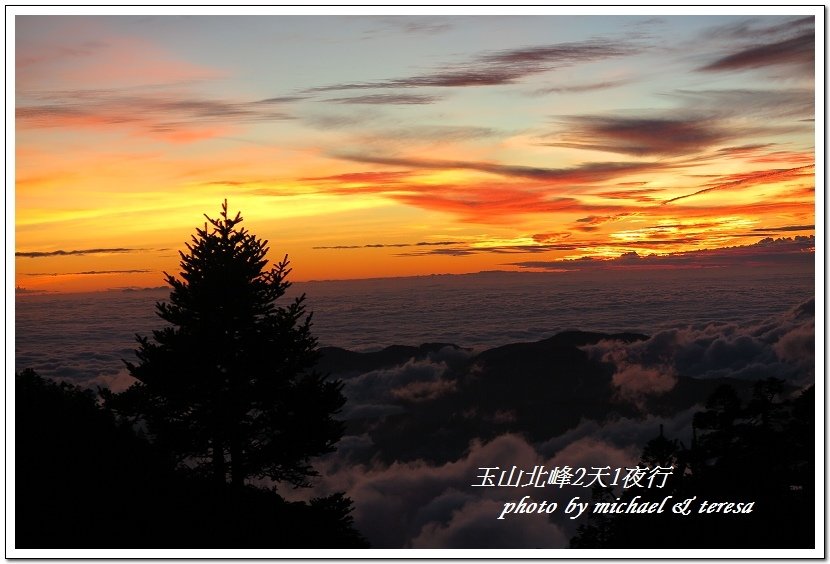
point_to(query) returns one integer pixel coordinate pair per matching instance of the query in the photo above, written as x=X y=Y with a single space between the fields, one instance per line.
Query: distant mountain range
x=537 y=389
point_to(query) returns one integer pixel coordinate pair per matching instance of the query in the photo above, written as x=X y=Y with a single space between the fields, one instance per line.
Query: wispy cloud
x=786 y=228
x=798 y=202
x=88 y=272
x=173 y=116
x=522 y=190
x=579 y=88
x=791 y=157
x=592 y=223
x=644 y=195
x=704 y=121
x=438 y=133
x=497 y=204
x=41 y=254
x=745 y=180
x=799 y=50
x=585 y=173
x=368 y=177
x=281 y=100
x=88 y=53
x=755 y=29
x=502 y=67
x=745 y=103
x=393 y=245
x=409 y=25
x=550 y=237
x=387 y=99
x=491 y=249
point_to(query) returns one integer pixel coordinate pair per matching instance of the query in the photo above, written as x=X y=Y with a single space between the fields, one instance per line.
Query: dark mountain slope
x=538 y=389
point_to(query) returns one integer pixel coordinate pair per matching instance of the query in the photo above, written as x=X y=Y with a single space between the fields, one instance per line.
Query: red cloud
x=749 y=179
x=641 y=195
x=495 y=203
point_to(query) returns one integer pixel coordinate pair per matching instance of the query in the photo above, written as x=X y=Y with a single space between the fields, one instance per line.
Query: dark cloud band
x=78 y=252
x=392 y=245
x=796 y=50
x=501 y=67
x=89 y=272
x=391 y=99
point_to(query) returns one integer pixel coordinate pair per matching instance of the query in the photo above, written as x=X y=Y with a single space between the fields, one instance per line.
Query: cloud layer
x=418 y=504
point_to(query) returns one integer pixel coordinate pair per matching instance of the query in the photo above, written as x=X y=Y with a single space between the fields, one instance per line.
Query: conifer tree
x=229 y=387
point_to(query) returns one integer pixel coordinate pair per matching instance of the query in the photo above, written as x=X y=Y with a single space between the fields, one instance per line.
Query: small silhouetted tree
x=229 y=388
x=760 y=451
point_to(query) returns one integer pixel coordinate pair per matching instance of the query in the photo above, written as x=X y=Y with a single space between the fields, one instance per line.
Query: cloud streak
x=579 y=88
x=493 y=249
x=497 y=204
x=786 y=228
x=393 y=245
x=750 y=179
x=410 y=25
x=704 y=121
x=585 y=173
x=750 y=103
x=749 y=29
x=799 y=50
x=88 y=53
x=527 y=190
x=390 y=99
x=88 y=273
x=77 y=252
x=501 y=67
x=172 y=116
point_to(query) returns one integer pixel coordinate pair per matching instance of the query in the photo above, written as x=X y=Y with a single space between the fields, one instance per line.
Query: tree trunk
x=237 y=474
x=218 y=462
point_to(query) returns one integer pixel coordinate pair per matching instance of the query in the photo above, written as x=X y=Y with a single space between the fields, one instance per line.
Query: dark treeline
x=85 y=480
x=761 y=450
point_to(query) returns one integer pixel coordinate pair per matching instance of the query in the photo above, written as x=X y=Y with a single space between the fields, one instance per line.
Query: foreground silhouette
x=85 y=480
x=227 y=392
x=760 y=451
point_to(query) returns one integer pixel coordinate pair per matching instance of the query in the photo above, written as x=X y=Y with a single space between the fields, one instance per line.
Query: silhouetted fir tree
x=663 y=452
x=229 y=388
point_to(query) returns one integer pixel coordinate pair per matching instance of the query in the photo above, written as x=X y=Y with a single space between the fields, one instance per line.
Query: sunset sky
x=374 y=146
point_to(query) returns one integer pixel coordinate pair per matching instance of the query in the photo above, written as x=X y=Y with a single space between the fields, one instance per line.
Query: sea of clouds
x=85 y=337
x=701 y=325
x=425 y=504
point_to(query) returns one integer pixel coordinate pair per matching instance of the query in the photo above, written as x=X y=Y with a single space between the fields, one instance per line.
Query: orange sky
x=389 y=146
